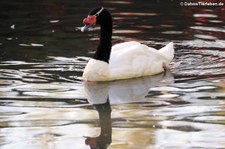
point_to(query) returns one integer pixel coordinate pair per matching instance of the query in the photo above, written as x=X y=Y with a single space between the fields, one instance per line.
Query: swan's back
x=133 y=59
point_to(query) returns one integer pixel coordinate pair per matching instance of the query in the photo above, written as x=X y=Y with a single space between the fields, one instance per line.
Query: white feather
x=129 y=60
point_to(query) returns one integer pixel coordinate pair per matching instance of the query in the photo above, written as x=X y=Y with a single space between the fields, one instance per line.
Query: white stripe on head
x=98 y=13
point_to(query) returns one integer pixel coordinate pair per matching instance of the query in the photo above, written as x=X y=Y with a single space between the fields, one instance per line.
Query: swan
x=124 y=60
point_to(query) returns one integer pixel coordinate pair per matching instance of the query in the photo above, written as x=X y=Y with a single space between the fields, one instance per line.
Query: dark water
x=43 y=102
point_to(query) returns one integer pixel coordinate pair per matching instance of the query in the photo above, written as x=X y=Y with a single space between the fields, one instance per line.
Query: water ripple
x=40 y=80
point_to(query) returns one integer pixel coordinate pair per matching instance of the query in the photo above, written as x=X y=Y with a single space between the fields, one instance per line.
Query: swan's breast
x=96 y=70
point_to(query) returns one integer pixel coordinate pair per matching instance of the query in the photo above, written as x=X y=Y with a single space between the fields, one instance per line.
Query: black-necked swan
x=124 y=60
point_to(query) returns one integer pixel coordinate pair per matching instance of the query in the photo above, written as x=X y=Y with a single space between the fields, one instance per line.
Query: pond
x=44 y=104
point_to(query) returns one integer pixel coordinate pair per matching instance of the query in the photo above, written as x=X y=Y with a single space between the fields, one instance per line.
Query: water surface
x=44 y=104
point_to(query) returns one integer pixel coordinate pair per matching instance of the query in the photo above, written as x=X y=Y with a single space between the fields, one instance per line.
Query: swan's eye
x=90 y=20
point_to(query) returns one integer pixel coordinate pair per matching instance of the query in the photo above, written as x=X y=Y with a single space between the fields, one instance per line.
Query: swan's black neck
x=105 y=137
x=104 y=47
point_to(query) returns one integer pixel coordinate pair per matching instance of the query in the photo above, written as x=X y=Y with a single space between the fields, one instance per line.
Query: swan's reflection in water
x=102 y=94
x=105 y=137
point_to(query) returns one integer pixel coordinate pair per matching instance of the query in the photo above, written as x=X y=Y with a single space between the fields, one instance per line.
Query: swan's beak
x=86 y=28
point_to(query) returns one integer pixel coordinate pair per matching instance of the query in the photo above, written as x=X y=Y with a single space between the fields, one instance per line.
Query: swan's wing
x=135 y=60
x=123 y=46
x=132 y=52
x=128 y=51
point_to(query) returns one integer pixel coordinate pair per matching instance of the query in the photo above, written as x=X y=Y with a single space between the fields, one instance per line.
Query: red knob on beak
x=85 y=21
x=90 y=20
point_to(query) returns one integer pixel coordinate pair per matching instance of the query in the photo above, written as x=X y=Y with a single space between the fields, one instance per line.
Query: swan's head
x=97 y=16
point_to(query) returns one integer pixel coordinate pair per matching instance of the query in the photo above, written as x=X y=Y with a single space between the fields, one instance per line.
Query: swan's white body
x=129 y=60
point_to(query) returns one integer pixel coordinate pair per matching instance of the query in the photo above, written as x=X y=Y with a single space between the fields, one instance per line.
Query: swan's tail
x=168 y=51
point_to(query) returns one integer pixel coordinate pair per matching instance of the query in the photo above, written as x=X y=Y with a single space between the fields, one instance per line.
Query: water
x=44 y=104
